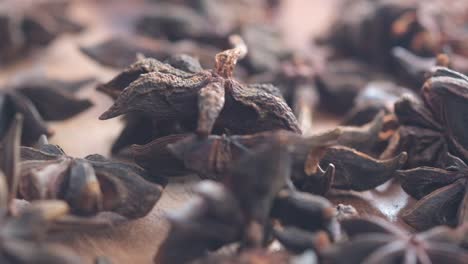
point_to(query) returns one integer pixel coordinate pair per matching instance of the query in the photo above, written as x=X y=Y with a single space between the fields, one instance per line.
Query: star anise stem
x=226 y=61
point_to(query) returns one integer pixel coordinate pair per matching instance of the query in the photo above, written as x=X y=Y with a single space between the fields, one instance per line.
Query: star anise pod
x=25 y=25
x=129 y=48
x=178 y=155
x=93 y=187
x=39 y=99
x=371 y=29
x=210 y=221
x=345 y=168
x=242 y=209
x=355 y=170
x=430 y=129
x=207 y=100
x=442 y=194
x=139 y=127
x=374 y=240
x=23 y=229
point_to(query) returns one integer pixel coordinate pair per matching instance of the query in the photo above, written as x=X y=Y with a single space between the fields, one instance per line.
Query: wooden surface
x=137 y=241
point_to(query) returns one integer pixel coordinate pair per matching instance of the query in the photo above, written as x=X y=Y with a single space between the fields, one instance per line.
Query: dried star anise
x=429 y=129
x=25 y=25
x=205 y=101
x=208 y=222
x=370 y=29
x=23 y=230
x=213 y=157
x=442 y=194
x=357 y=171
x=373 y=240
x=139 y=127
x=124 y=50
x=241 y=211
x=93 y=186
x=178 y=155
x=37 y=100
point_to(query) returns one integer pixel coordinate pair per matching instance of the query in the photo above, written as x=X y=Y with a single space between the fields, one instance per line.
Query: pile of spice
x=210 y=87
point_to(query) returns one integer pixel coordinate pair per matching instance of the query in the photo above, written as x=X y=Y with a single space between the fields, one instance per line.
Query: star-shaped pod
x=429 y=129
x=139 y=127
x=23 y=229
x=371 y=29
x=213 y=157
x=442 y=194
x=39 y=99
x=178 y=155
x=210 y=100
x=374 y=240
x=357 y=171
x=241 y=210
x=25 y=25
x=93 y=187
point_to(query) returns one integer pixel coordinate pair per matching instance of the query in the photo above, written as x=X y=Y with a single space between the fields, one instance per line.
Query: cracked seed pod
x=27 y=25
x=93 y=187
x=23 y=231
x=207 y=101
x=39 y=99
